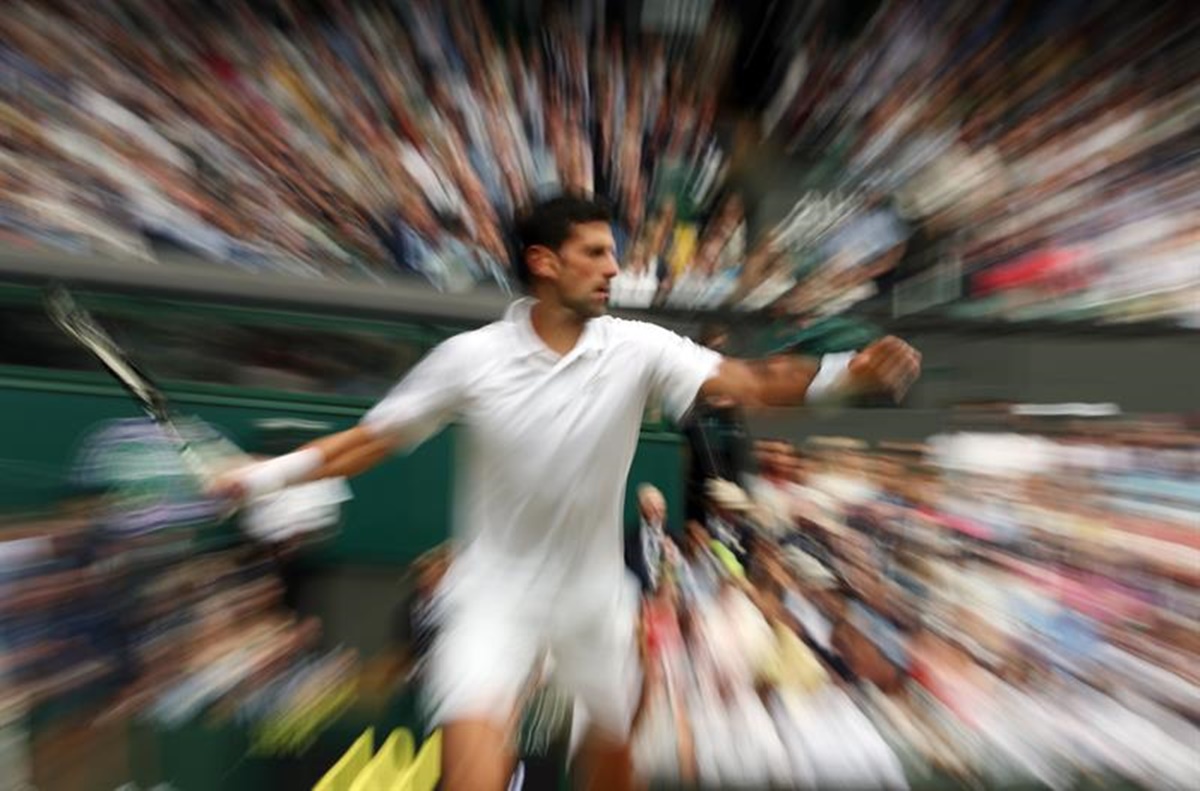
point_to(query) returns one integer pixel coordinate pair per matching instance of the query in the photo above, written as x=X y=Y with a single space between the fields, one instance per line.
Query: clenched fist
x=887 y=366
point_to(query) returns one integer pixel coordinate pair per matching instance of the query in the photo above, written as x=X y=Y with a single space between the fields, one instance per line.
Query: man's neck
x=559 y=328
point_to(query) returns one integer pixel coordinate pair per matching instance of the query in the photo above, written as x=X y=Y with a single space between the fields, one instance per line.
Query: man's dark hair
x=548 y=224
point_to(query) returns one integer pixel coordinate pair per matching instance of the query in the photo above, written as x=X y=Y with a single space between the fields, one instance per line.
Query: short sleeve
x=678 y=368
x=427 y=398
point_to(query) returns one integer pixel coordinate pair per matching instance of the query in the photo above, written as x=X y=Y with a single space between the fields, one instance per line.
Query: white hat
x=728 y=495
x=809 y=568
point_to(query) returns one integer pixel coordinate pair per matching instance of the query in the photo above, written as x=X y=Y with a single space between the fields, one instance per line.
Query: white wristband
x=830 y=377
x=271 y=476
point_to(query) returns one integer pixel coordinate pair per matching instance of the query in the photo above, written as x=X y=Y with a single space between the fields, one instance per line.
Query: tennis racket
x=204 y=453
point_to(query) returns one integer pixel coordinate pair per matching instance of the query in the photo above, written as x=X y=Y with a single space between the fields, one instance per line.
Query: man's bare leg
x=477 y=755
x=605 y=763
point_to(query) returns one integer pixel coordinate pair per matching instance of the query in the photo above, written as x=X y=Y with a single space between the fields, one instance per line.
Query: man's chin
x=592 y=310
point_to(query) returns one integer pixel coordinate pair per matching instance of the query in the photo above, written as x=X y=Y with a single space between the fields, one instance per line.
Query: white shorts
x=493 y=641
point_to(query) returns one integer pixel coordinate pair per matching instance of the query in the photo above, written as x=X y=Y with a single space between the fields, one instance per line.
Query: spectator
x=646 y=548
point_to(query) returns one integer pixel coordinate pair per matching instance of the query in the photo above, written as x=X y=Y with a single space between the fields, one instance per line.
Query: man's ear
x=542 y=261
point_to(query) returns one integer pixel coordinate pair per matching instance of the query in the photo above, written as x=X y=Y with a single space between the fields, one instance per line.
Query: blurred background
x=278 y=206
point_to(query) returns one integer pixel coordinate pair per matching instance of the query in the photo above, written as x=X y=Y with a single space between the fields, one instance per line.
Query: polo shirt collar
x=529 y=343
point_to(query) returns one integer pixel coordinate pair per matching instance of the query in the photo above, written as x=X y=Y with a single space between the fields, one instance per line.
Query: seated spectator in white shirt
x=637 y=283
x=645 y=551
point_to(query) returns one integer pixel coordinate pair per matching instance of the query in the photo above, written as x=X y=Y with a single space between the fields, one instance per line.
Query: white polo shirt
x=548 y=442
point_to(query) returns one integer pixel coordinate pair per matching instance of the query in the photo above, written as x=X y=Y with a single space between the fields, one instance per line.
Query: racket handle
x=197 y=466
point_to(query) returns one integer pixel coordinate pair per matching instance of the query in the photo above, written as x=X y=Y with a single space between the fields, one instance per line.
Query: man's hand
x=887 y=366
x=229 y=487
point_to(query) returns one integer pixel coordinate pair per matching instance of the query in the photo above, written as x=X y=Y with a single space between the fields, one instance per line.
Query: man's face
x=653 y=508
x=579 y=272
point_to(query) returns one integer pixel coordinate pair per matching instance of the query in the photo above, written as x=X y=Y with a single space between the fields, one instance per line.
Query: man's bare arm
x=341 y=455
x=352 y=452
x=886 y=366
x=775 y=381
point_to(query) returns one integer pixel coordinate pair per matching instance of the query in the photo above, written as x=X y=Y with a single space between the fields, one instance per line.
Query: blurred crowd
x=344 y=140
x=990 y=607
x=1021 y=161
x=1015 y=603
x=99 y=628
x=1036 y=160
x=132 y=603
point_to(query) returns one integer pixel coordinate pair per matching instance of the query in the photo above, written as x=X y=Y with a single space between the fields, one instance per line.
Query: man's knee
x=477 y=755
x=605 y=762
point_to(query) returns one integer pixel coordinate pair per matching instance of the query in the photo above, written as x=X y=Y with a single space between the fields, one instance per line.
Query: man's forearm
x=342 y=455
x=792 y=380
x=784 y=381
x=351 y=453
x=886 y=366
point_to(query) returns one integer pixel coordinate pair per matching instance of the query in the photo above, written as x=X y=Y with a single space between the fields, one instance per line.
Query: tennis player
x=551 y=398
